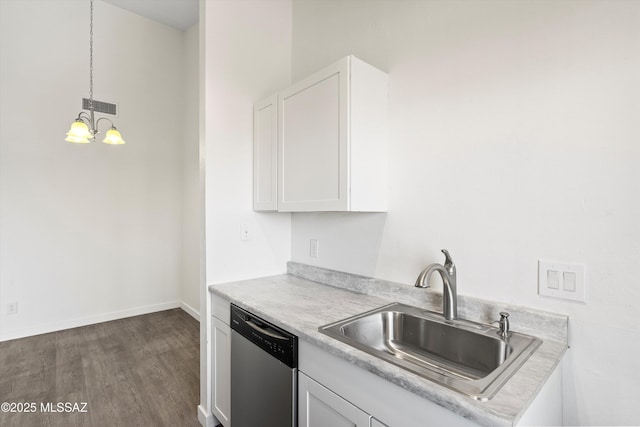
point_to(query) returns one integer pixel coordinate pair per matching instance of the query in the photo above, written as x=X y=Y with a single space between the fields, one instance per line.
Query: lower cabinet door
x=221 y=367
x=376 y=423
x=320 y=407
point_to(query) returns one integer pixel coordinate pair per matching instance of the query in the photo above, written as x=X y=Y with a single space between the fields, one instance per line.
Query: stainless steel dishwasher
x=264 y=372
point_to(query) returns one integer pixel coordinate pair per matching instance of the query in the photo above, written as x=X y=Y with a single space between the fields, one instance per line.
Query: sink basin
x=468 y=357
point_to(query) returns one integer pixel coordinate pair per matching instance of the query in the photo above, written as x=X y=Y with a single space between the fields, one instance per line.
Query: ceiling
x=179 y=14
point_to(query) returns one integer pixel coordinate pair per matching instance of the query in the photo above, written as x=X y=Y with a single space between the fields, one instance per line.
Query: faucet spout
x=450 y=292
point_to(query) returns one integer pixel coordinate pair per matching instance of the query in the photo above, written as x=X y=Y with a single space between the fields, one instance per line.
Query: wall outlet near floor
x=12 y=307
x=314 y=247
x=562 y=280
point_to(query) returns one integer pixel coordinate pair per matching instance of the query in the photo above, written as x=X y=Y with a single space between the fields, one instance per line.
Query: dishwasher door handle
x=270 y=332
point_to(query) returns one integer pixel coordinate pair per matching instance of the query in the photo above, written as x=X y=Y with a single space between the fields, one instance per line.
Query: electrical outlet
x=244 y=232
x=562 y=280
x=314 y=247
x=12 y=307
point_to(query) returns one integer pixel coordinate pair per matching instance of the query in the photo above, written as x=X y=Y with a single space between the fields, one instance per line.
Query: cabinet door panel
x=221 y=367
x=265 y=155
x=332 y=140
x=376 y=423
x=311 y=143
x=320 y=407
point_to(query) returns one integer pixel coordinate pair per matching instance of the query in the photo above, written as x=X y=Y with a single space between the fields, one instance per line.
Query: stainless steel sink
x=468 y=357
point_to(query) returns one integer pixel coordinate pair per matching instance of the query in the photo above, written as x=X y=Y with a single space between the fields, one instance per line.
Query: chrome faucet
x=449 y=292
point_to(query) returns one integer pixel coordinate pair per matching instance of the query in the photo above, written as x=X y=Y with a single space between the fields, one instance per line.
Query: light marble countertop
x=310 y=297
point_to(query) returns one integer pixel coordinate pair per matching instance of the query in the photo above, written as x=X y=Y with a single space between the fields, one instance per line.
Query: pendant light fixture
x=85 y=128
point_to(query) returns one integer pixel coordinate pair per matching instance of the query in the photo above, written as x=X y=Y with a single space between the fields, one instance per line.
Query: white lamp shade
x=113 y=137
x=79 y=133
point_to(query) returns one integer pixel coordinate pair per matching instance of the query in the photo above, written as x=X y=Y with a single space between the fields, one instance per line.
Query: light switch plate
x=314 y=248
x=562 y=280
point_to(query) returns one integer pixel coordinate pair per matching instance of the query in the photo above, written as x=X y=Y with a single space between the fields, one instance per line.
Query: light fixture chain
x=91 y=56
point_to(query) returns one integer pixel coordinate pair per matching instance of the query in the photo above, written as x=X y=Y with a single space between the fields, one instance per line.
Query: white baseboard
x=206 y=418
x=190 y=310
x=90 y=320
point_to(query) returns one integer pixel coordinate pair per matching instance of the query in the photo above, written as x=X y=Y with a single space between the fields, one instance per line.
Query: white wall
x=247 y=56
x=513 y=137
x=87 y=232
x=192 y=205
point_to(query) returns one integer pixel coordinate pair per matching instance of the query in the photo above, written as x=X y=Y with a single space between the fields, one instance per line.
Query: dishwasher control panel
x=274 y=340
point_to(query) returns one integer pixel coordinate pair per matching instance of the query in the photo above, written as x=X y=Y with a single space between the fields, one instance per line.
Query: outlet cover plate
x=314 y=248
x=12 y=308
x=562 y=280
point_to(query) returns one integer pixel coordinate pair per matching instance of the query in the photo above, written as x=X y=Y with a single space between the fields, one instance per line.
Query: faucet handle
x=504 y=324
x=448 y=262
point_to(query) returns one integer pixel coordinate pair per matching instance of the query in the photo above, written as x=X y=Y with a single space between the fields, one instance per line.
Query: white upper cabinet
x=265 y=154
x=332 y=141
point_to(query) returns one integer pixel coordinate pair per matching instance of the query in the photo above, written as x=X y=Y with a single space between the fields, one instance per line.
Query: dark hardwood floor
x=139 y=371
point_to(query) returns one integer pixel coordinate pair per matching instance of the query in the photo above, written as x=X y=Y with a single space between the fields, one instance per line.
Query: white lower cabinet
x=334 y=392
x=376 y=423
x=221 y=362
x=320 y=407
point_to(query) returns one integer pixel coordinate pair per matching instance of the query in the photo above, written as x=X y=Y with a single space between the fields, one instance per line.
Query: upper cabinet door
x=313 y=126
x=332 y=140
x=265 y=154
